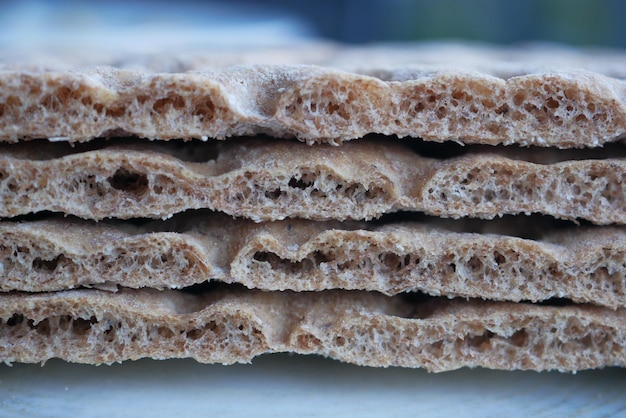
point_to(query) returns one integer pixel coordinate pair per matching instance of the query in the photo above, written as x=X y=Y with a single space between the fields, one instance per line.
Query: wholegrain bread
x=271 y=180
x=583 y=265
x=91 y=326
x=563 y=107
x=333 y=97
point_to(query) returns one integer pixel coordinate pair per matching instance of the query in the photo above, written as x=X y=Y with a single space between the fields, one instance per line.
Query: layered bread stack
x=433 y=206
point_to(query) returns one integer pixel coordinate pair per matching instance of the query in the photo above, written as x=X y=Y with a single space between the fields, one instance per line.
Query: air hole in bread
x=482 y=341
x=280 y=264
x=319 y=258
x=115 y=112
x=81 y=326
x=15 y=320
x=194 y=334
x=340 y=341
x=165 y=332
x=499 y=258
x=129 y=182
x=273 y=194
x=308 y=341
x=519 y=338
x=502 y=109
x=48 y=265
x=53 y=324
x=339 y=110
x=57 y=100
x=264 y=257
x=43 y=327
x=395 y=261
x=299 y=183
x=475 y=264
x=171 y=102
x=551 y=103
x=205 y=109
x=109 y=334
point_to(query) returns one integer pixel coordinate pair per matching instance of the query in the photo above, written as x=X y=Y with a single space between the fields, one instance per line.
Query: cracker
x=580 y=264
x=271 y=180
x=91 y=326
x=352 y=92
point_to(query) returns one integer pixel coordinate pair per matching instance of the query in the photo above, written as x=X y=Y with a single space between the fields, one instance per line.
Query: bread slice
x=90 y=326
x=563 y=107
x=270 y=179
x=583 y=265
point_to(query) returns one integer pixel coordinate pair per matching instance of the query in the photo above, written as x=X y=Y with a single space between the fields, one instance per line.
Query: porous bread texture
x=587 y=266
x=562 y=109
x=261 y=180
x=582 y=265
x=83 y=104
x=41 y=256
x=271 y=180
x=97 y=327
x=91 y=326
x=566 y=108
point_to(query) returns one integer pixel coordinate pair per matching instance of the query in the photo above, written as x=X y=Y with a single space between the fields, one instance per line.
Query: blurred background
x=575 y=22
x=580 y=22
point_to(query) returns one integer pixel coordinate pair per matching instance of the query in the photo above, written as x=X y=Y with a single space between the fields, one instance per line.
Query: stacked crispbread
x=446 y=206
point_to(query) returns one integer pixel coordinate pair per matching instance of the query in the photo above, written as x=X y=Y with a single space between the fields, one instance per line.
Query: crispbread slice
x=92 y=326
x=271 y=179
x=581 y=264
x=562 y=107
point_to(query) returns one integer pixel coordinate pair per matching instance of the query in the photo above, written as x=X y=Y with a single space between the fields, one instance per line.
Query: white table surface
x=284 y=385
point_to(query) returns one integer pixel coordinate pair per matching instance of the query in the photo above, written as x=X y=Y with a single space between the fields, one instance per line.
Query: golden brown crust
x=362 y=328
